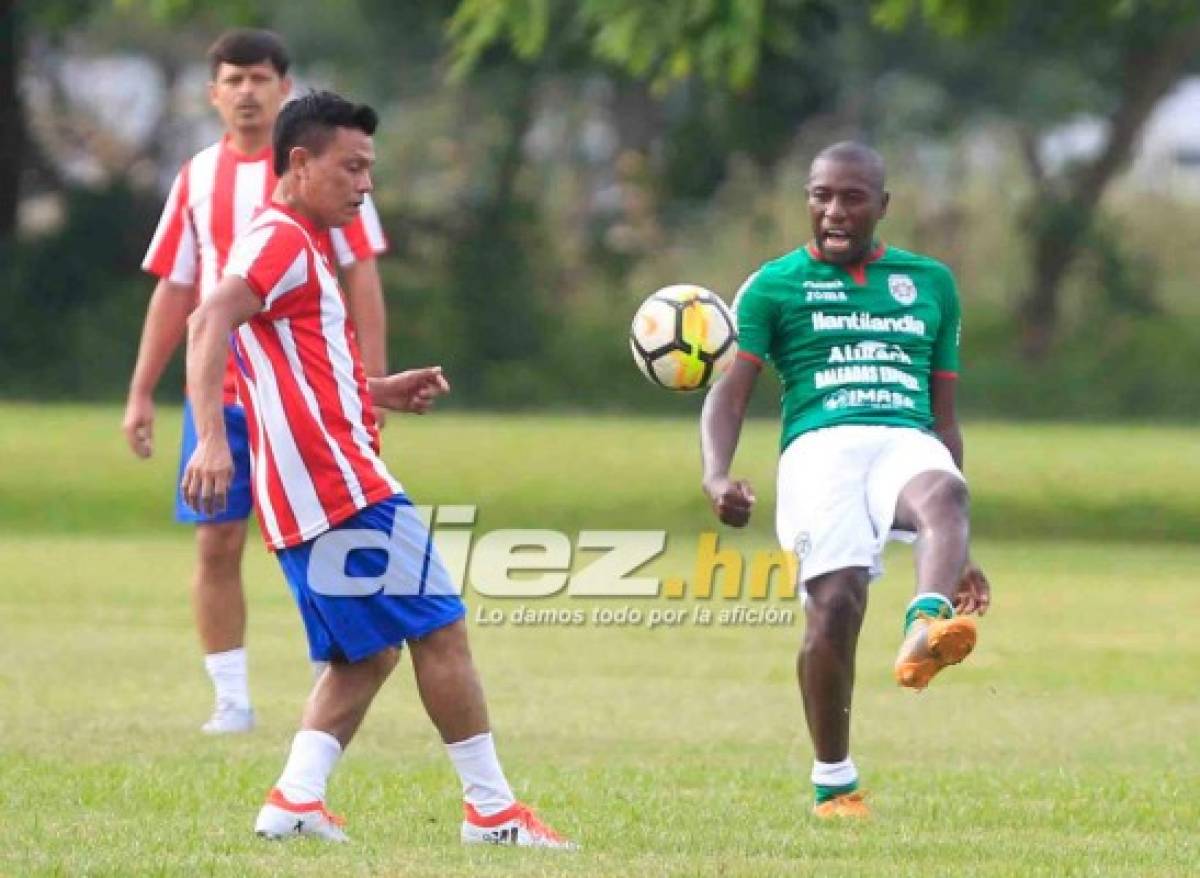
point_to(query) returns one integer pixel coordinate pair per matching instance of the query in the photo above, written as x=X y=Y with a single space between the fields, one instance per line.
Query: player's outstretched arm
x=207 y=475
x=720 y=428
x=413 y=390
x=162 y=332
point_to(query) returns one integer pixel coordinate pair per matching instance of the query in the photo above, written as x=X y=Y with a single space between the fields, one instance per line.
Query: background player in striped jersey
x=865 y=340
x=214 y=197
x=359 y=561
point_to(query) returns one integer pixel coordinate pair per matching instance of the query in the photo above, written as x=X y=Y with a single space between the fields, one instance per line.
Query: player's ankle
x=832 y=779
x=927 y=605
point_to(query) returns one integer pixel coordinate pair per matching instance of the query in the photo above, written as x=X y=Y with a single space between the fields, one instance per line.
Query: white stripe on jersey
x=183 y=268
x=288 y=343
x=202 y=177
x=297 y=483
x=333 y=324
x=249 y=186
x=262 y=494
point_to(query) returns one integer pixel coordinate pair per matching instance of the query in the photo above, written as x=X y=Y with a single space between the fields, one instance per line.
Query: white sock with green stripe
x=832 y=779
x=930 y=605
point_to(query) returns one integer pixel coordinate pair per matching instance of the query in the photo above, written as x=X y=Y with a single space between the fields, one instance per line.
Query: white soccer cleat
x=280 y=819
x=516 y=825
x=229 y=720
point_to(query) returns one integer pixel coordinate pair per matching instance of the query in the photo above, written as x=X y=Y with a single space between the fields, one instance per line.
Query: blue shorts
x=241 y=501
x=371 y=582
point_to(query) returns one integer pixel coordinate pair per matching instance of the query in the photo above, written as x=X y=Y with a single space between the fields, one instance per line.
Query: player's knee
x=835 y=603
x=949 y=498
x=219 y=546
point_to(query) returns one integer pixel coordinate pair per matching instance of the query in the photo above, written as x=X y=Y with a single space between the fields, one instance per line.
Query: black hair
x=310 y=121
x=242 y=47
x=852 y=152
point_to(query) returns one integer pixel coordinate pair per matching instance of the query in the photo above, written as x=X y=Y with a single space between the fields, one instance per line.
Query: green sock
x=929 y=604
x=825 y=793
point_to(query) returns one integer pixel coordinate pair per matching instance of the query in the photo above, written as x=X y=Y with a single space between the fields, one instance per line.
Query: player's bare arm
x=413 y=390
x=162 y=332
x=720 y=428
x=974 y=594
x=364 y=295
x=207 y=476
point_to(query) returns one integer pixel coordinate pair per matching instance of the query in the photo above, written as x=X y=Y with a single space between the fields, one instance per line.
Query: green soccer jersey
x=852 y=345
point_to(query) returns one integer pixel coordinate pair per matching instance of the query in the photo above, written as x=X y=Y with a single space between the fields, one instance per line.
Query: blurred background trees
x=545 y=164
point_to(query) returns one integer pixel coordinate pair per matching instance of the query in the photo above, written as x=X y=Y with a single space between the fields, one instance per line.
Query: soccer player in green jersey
x=864 y=338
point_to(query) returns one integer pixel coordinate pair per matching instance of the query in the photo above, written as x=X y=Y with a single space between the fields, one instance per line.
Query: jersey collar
x=856 y=270
x=304 y=222
x=227 y=145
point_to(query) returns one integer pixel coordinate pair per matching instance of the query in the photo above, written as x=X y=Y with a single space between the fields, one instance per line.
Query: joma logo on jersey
x=868 y=352
x=824 y=291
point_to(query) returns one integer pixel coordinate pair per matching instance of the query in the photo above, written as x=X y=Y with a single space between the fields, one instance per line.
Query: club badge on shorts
x=902 y=288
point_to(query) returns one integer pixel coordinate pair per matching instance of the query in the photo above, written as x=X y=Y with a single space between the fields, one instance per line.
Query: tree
x=1126 y=55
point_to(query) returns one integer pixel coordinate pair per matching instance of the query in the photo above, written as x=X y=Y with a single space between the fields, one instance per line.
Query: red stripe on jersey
x=221 y=219
x=221 y=224
x=356 y=239
x=750 y=358
x=285 y=521
x=323 y=470
x=161 y=259
x=320 y=374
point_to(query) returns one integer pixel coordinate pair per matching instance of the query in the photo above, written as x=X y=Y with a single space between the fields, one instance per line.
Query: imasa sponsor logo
x=873 y=398
x=865 y=322
x=869 y=352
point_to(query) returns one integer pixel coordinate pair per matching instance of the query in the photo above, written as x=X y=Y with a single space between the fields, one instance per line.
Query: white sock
x=227 y=670
x=484 y=785
x=313 y=756
x=834 y=774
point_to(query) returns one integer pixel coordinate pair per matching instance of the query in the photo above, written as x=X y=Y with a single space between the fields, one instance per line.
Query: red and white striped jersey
x=213 y=199
x=313 y=434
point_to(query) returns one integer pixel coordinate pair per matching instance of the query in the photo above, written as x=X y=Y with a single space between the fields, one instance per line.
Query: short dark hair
x=242 y=47
x=309 y=121
x=855 y=153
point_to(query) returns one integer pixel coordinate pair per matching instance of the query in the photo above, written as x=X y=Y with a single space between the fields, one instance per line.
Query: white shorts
x=838 y=488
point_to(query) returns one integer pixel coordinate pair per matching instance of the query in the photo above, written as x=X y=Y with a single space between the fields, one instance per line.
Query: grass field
x=1066 y=746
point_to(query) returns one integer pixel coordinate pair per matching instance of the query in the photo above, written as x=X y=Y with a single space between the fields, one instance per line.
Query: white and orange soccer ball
x=683 y=337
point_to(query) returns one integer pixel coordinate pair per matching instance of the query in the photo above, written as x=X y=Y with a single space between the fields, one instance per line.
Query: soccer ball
x=683 y=337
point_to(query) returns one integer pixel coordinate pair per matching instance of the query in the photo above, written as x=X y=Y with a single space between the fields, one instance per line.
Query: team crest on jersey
x=902 y=288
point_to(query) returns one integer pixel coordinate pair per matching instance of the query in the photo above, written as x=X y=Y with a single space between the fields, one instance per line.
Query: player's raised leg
x=835 y=604
x=453 y=697
x=935 y=505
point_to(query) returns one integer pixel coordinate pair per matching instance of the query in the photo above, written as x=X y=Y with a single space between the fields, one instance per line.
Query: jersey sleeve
x=944 y=359
x=172 y=254
x=361 y=239
x=755 y=315
x=273 y=260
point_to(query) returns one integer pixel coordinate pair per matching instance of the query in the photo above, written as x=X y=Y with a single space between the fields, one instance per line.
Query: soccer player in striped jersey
x=865 y=340
x=360 y=562
x=214 y=197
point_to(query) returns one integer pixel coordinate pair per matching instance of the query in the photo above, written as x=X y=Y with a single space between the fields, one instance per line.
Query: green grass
x=1065 y=746
x=1132 y=483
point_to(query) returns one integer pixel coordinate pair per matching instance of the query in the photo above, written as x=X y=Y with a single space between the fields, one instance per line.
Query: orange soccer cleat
x=851 y=804
x=933 y=644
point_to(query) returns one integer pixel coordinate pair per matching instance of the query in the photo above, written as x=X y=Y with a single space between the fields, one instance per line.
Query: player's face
x=845 y=201
x=334 y=183
x=248 y=98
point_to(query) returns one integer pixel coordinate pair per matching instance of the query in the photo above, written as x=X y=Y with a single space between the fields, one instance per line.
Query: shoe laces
x=528 y=818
